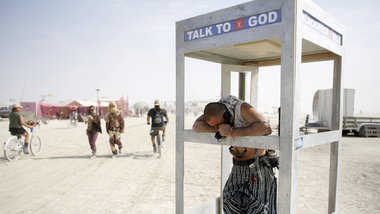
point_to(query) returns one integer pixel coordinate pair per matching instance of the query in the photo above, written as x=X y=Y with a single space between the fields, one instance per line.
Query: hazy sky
x=69 y=48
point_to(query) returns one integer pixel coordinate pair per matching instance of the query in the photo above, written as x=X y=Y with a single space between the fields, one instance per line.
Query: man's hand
x=225 y=130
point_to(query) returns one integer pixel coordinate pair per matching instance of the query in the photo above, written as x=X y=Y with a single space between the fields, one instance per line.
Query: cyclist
x=114 y=126
x=16 y=121
x=158 y=123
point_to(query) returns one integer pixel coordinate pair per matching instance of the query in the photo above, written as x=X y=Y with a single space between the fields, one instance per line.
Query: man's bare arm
x=200 y=125
x=23 y=122
x=257 y=124
x=122 y=124
x=148 y=120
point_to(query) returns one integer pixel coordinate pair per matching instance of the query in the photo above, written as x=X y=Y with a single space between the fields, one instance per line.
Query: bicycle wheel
x=12 y=149
x=35 y=145
x=159 y=144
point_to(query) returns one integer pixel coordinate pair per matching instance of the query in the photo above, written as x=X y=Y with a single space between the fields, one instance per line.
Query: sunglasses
x=91 y=109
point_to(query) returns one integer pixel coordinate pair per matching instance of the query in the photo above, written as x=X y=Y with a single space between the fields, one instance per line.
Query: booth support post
x=254 y=86
x=225 y=161
x=242 y=83
x=180 y=125
x=335 y=146
x=291 y=45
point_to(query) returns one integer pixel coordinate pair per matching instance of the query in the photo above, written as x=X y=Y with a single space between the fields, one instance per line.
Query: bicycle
x=14 y=146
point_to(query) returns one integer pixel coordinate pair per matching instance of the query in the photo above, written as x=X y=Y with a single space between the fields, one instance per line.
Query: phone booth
x=242 y=39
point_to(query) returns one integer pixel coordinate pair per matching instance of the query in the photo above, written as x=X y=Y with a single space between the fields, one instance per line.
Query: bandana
x=230 y=102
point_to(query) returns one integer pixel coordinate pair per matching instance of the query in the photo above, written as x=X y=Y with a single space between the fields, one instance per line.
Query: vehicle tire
x=35 y=145
x=362 y=131
x=12 y=149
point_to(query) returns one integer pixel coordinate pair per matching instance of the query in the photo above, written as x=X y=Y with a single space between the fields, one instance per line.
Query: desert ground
x=63 y=179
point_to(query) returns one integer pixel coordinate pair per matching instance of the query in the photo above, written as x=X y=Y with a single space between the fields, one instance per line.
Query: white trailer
x=362 y=126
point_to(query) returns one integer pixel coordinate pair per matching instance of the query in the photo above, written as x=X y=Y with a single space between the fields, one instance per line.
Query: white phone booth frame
x=244 y=38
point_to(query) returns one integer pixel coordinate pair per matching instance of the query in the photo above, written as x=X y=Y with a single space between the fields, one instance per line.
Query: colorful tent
x=63 y=110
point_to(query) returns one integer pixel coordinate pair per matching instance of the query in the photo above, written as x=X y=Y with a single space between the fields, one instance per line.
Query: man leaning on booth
x=251 y=186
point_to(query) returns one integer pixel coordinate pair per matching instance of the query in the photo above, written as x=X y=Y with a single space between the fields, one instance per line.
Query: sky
x=124 y=47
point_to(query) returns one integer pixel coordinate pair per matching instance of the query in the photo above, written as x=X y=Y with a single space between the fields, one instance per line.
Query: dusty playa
x=62 y=179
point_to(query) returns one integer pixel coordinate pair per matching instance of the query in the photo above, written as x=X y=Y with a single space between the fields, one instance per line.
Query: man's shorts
x=115 y=134
x=17 y=131
x=154 y=130
x=251 y=188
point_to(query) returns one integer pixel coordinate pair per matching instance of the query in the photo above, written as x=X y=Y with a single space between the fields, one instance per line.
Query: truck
x=358 y=125
x=5 y=110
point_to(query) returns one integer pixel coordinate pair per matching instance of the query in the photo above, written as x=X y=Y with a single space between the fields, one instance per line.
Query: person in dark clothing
x=158 y=123
x=16 y=121
x=93 y=128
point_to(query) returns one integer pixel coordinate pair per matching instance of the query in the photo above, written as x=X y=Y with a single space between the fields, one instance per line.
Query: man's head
x=213 y=114
x=16 y=107
x=91 y=109
x=111 y=104
x=112 y=107
x=157 y=104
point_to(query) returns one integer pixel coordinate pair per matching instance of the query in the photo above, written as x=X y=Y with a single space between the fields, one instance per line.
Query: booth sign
x=234 y=25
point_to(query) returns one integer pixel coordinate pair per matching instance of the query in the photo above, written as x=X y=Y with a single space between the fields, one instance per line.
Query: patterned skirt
x=251 y=189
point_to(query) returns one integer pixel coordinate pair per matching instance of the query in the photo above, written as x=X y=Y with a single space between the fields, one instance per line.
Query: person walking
x=115 y=127
x=93 y=129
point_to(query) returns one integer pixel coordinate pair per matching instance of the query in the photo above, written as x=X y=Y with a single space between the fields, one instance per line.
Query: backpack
x=158 y=118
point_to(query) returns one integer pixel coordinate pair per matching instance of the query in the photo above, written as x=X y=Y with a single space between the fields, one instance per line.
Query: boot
x=25 y=149
x=154 y=148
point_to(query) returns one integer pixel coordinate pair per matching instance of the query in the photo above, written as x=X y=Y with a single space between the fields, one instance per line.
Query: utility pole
x=97 y=99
